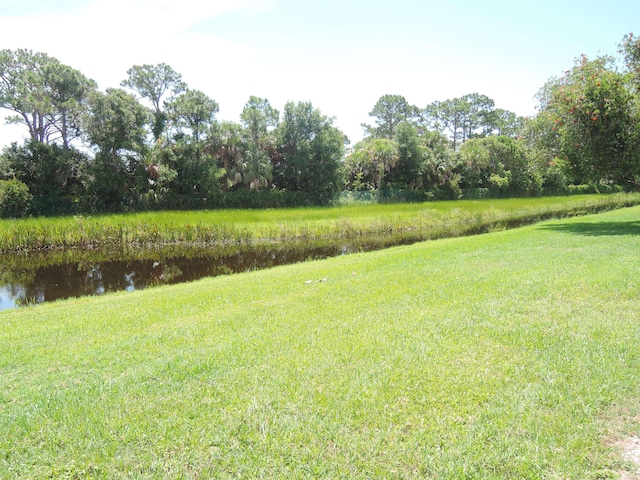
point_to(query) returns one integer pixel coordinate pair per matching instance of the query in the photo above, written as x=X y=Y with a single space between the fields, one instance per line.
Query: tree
x=311 y=149
x=541 y=138
x=368 y=163
x=258 y=116
x=245 y=165
x=504 y=122
x=447 y=116
x=22 y=90
x=195 y=112
x=596 y=117
x=228 y=146
x=630 y=48
x=155 y=181
x=438 y=171
x=116 y=122
x=469 y=116
x=48 y=170
x=49 y=98
x=69 y=92
x=116 y=127
x=477 y=116
x=256 y=171
x=389 y=112
x=500 y=163
x=186 y=157
x=407 y=172
x=196 y=175
x=259 y=119
x=154 y=83
x=14 y=198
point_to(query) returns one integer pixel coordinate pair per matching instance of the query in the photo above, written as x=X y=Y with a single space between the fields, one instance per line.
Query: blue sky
x=340 y=55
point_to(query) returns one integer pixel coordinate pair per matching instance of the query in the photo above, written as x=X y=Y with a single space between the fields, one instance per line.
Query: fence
x=58 y=206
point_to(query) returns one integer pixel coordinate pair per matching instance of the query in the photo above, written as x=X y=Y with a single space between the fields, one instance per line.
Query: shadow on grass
x=597 y=229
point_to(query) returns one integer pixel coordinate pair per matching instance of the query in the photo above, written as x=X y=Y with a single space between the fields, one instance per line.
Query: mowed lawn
x=513 y=354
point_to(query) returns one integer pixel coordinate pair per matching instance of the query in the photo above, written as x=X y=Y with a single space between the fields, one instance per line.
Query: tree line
x=156 y=143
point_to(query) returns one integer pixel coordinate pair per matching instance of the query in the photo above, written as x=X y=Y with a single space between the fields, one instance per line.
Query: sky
x=341 y=55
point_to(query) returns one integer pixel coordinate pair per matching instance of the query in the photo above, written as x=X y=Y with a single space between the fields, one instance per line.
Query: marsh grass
x=504 y=355
x=244 y=227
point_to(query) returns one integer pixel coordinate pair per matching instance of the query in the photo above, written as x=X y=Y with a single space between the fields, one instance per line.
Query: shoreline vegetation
x=157 y=144
x=403 y=223
x=507 y=355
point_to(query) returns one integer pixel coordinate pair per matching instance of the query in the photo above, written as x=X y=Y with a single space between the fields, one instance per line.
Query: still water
x=37 y=277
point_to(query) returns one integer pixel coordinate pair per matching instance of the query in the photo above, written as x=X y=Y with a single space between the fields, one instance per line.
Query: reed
x=244 y=227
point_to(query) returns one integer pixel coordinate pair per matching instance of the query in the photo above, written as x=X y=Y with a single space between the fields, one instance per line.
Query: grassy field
x=240 y=227
x=508 y=355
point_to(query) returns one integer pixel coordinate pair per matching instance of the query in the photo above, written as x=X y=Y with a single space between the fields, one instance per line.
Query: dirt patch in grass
x=625 y=443
x=630 y=449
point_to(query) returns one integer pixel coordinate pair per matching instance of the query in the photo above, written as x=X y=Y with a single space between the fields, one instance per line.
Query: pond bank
x=54 y=273
x=229 y=228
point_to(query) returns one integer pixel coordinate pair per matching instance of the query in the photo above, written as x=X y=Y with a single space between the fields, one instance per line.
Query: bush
x=593 y=188
x=55 y=206
x=404 y=196
x=15 y=198
x=236 y=199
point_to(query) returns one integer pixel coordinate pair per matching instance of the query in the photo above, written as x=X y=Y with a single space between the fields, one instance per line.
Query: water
x=37 y=277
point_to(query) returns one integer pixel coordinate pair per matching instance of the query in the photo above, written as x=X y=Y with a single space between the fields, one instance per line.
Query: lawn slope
x=496 y=356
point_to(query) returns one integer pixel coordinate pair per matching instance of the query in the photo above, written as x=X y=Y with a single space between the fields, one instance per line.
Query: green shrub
x=593 y=188
x=14 y=198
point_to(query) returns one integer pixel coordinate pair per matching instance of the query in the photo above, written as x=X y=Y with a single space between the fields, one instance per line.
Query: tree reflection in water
x=37 y=277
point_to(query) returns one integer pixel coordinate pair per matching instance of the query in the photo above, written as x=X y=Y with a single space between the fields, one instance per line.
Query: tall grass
x=241 y=227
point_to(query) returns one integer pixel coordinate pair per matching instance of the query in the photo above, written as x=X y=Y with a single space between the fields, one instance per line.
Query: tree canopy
x=49 y=98
x=595 y=117
x=154 y=83
x=159 y=143
x=389 y=112
x=310 y=153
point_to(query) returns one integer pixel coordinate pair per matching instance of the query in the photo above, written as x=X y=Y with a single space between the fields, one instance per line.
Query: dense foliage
x=157 y=144
x=14 y=198
x=593 y=112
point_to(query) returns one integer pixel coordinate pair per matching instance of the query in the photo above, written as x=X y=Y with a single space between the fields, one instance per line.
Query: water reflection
x=38 y=277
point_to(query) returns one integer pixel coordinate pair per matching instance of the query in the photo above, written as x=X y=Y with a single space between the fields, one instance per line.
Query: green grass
x=241 y=227
x=505 y=355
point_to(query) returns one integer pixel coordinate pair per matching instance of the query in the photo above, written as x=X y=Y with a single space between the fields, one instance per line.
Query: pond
x=37 y=277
